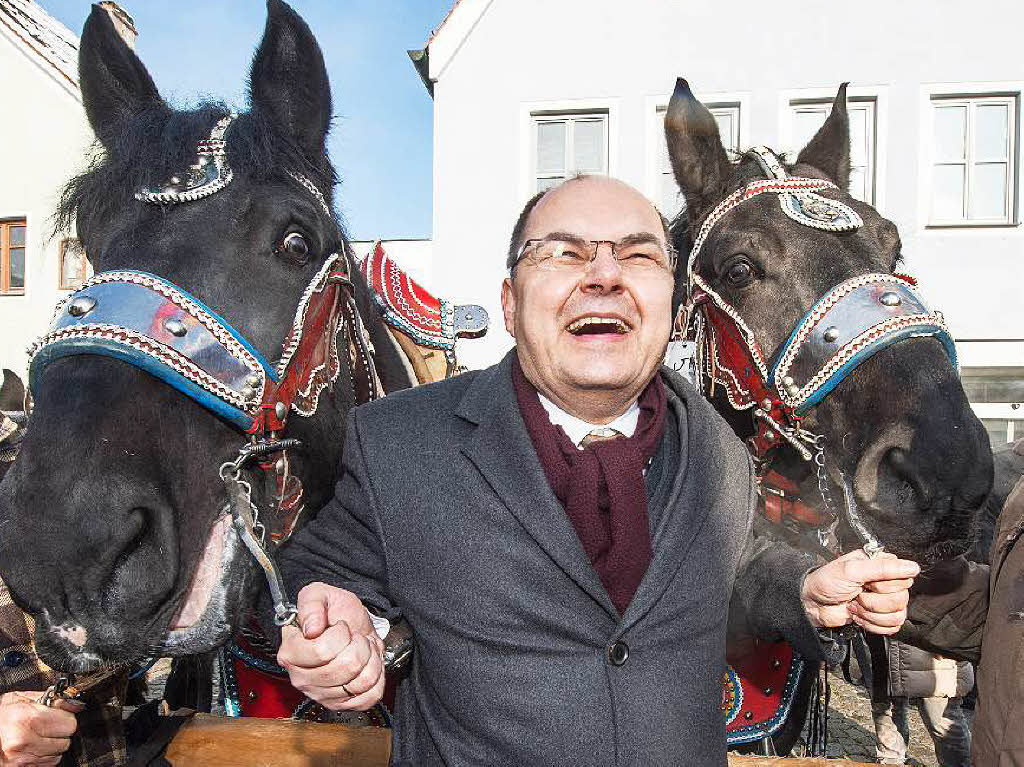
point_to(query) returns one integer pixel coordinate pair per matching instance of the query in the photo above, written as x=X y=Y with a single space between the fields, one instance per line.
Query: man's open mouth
x=590 y=326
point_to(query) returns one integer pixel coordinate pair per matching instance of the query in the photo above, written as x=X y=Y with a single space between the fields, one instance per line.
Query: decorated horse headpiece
x=850 y=323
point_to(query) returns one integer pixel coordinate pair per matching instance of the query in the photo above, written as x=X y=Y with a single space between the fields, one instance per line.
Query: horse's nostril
x=905 y=482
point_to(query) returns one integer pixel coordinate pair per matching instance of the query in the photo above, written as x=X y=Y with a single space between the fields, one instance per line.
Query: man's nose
x=604 y=272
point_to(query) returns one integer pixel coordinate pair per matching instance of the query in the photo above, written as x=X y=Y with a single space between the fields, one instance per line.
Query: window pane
x=17 y=236
x=948 y=192
x=950 y=129
x=988 y=192
x=859 y=184
x=806 y=121
x=669 y=197
x=994 y=388
x=991 y=132
x=17 y=267
x=726 y=128
x=547 y=183
x=997 y=429
x=73 y=267
x=551 y=147
x=589 y=146
x=859 y=136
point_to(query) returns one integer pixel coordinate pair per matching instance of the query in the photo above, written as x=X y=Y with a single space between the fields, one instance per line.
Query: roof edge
x=449 y=37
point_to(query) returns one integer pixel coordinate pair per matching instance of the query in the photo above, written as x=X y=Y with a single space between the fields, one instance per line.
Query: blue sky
x=382 y=136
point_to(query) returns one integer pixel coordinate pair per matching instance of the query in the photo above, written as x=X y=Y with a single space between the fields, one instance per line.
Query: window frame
x=6 y=224
x=86 y=268
x=528 y=135
x=989 y=410
x=569 y=118
x=656 y=105
x=868 y=101
x=732 y=147
x=971 y=99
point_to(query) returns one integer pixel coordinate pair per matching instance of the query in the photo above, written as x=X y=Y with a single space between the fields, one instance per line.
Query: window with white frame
x=670 y=198
x=973 y=142
x=997 y=396
x=808 y=115
x=567 y=144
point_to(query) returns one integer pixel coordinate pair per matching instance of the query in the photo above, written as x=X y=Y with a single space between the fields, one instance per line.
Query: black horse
x=900 y=441
x=900 y=425
x=117 y=482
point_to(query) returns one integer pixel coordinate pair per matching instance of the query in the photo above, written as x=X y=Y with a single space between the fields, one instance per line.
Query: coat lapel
x=501 y=450
x=676 y=531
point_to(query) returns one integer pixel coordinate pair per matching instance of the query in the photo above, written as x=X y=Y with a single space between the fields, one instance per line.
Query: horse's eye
x=739 y=273
x=294 y=246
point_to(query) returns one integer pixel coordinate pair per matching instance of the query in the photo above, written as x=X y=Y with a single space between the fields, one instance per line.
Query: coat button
x=14 y=658
x=618 y=653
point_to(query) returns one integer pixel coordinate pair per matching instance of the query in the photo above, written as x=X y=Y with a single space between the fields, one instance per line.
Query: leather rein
x=850 y=323
x=154 y=325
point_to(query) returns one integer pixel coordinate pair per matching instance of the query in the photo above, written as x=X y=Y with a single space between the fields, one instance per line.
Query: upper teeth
x=584 y=321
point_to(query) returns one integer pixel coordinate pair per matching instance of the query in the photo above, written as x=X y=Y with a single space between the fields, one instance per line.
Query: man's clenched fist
x=336 y=658
x=32 y=734
x=873 y=593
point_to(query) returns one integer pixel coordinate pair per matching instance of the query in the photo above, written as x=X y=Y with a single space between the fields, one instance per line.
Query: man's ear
x=115 y=83
x=508 y=305
x=699 y=161
x=829 y=150
x=288 y=82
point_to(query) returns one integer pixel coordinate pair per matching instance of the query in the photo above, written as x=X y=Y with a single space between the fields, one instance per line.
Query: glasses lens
x=642 y=256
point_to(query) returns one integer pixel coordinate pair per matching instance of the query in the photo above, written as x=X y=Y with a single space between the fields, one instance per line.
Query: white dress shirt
x=576 y=428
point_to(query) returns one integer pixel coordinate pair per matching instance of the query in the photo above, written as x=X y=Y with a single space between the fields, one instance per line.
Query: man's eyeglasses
x=635 y=255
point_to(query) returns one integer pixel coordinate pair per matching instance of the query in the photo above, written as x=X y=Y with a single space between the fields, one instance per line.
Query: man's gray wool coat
x=443 y=515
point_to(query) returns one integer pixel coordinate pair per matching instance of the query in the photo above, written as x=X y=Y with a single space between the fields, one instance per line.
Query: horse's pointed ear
x=829 y=150
x=115 y=84
x=699 y=161
x=289 y=81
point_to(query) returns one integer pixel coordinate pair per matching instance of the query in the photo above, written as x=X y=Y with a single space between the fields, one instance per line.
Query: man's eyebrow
x=567 y=236
x=639 y=238
x=636 y=238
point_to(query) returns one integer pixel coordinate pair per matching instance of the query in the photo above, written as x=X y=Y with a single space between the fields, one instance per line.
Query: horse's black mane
x=160 y=142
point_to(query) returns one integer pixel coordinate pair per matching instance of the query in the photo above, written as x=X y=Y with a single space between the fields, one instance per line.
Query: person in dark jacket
x=563 y=531
x=976 y=613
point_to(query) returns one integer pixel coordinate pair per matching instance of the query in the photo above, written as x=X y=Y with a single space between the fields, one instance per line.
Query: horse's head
x=898 y=430
x=115 y=535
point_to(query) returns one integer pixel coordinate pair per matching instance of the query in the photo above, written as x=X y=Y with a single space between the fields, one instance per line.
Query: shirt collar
x=576 y=428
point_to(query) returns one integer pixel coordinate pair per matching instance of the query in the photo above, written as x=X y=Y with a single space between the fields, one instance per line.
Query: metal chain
x=819 y=468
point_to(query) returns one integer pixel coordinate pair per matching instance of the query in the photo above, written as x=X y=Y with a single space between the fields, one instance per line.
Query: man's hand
x=31 y=733
x=336 y=659
x=873 y=593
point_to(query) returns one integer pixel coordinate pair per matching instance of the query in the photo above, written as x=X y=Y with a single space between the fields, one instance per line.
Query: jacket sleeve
x=766 y=596
x=343 y=545
x=947 y=610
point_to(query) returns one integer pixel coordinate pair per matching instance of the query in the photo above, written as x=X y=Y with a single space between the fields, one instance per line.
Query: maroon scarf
x=602 y=486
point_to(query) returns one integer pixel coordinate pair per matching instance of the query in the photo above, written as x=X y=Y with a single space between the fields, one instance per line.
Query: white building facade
x=527 y=92
x=44 y=139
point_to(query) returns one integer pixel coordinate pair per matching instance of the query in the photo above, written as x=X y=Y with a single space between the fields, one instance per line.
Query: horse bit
x=156 y=326
x=850 y=323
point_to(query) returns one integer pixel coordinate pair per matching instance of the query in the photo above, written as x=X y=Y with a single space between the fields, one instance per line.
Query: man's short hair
x=517 y=231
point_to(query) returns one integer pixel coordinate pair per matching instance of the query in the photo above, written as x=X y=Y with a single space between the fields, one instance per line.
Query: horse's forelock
x=159 y=143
